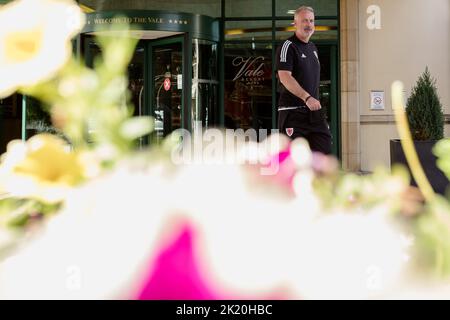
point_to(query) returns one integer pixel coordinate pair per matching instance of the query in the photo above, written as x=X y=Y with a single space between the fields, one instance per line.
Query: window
x=205 y=84
x=248 y=86
x=325 y=30
x=10 y=120
x=206 y=7
x=285 y=8
x=248 y=30
x=245 y=8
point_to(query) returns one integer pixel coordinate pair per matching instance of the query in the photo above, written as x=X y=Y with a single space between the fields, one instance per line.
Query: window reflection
x=248 y=86
x=10 y=120
x=206 y=7
x=167 y=67
x=204 y=83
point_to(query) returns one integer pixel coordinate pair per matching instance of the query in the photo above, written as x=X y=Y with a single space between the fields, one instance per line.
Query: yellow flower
x=35 y=40
x=42 y=168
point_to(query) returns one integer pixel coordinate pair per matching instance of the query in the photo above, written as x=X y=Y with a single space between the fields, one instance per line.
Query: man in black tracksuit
x=299 y=110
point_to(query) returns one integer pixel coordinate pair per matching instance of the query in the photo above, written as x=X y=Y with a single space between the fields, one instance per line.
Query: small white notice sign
x=179 y=81
x=376 y=100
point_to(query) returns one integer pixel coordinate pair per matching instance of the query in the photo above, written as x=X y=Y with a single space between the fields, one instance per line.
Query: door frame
x=194 y=26
x=149 y=76
x=335 y=123
x=185 y=39
x=335 y=120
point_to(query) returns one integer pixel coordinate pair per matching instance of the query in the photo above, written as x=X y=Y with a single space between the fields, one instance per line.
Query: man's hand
x=293 y=87
x=313 y=104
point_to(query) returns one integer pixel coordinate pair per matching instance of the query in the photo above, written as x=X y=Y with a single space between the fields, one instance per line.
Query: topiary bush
x=424 y=110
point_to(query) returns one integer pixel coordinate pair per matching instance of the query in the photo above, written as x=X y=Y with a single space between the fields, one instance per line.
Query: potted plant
x=426 y=122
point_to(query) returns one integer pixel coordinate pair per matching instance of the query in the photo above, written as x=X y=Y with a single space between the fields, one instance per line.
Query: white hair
x=303 y=8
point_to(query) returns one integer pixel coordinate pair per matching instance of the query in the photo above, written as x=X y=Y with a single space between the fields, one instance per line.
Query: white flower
x=35 y=40
x=94 y=248
x=348 y=255
x=41 y=168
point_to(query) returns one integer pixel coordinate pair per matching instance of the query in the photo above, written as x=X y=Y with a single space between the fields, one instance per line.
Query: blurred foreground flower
x=275 y=222
x=89 y=107
x=43 y=168
x=34 y=49
x=442 y=150
x=249 y=245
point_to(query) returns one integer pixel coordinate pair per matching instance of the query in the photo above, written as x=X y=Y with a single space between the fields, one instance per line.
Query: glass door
x=167 y=85
x=136 y=80
x=205 y=84
x=135 y=72
x=328 y=90
x=155 y=81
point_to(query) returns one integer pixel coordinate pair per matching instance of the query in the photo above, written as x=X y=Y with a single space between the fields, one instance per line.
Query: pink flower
x=176 y=275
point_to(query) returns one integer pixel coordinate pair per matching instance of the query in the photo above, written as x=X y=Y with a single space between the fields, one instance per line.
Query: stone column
x=349 y=61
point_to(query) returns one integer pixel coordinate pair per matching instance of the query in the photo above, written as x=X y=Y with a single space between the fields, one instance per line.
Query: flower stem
x=407 y=142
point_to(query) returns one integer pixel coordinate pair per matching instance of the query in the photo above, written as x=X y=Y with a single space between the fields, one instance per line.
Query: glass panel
x=37 y=119
x=206 y=7
x=325 y=80
x=10 y=120
x=204 y=83
x=248 y=86
x=325 y=30
x=135 y=72
x=246 y=8
x=248 y=30
x=204 y=104
x=136 y=81
x=91 y=50
x=321 y=7
x=167 y=66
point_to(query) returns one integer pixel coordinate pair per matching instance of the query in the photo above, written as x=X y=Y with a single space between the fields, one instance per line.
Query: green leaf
x=432 y=230
x=136 y=127
x=424 y=110
x=442 y=151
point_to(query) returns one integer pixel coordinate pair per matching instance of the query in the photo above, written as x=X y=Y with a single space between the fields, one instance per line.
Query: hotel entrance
x=166 y=97
x=212 y=65
x=173 y=73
